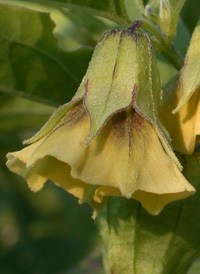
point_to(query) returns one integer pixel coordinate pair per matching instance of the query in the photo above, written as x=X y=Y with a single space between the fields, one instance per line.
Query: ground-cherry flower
x=181 y=108
x=108 y=141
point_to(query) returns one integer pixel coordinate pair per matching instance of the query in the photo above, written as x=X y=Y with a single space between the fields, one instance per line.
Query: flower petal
x=17 y=163
x=66 y=141
x=184 y=125
x=45 y=168
x=152 y=202
x=127 y=155
x=126 y=159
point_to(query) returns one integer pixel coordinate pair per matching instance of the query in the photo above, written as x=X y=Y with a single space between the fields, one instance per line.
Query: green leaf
x=169 y=15
x=112 y=9
x=134 y=9
x=31 y=64
x=85 y=28
x=137 y=242
x=190 y=74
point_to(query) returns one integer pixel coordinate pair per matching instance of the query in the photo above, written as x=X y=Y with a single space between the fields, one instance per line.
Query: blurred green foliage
x=31 y=63
x=44 y=232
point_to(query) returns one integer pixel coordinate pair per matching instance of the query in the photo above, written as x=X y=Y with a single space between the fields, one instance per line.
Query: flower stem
x=161 y=46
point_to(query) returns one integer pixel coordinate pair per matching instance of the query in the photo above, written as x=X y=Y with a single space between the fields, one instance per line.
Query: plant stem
x=161 y=46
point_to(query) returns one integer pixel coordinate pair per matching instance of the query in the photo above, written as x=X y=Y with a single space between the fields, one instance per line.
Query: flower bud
x=181 y=108
x=108 y=141
x=184 y=126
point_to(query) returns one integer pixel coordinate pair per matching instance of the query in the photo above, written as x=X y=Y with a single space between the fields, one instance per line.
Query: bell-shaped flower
x=183 y=97
x=108 y=141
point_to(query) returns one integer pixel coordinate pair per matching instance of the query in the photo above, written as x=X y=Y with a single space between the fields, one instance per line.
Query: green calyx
x=123 y=73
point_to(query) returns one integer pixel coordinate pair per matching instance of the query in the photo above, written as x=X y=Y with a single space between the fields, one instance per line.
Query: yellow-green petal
x=190 y=74
x=126 y=156
x=184 y=125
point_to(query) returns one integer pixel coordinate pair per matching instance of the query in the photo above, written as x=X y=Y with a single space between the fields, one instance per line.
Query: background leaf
x=31 y=64
x=112 y=9
x=134 y=9
x=85 y=29
x=47 y=232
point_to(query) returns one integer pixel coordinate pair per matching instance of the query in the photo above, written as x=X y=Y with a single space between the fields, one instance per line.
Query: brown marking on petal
x=126 y=124
x=137 y=119
x=112 y=271
x=76 y=114
x=129 y=119
x=137 y=123
x=134 y=125
x=119 y=126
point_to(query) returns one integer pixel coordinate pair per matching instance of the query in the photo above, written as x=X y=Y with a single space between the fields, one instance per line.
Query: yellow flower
x=181 y=108
x=184 y=125
x=108 y=140
x=126 y=159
